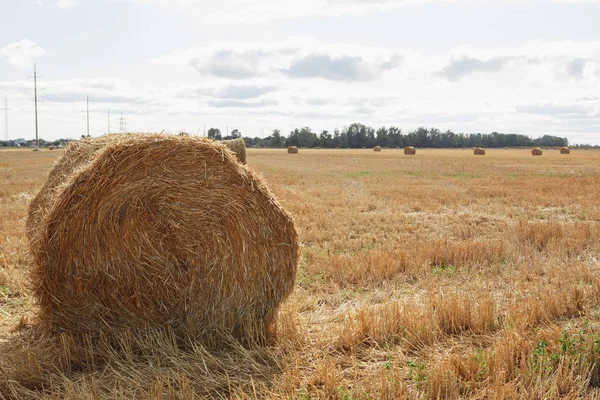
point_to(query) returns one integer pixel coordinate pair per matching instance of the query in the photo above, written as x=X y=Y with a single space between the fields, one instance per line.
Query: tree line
x=357 y=135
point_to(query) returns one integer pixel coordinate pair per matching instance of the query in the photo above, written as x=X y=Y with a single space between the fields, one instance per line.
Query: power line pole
x=122 y=124
x=37 y=144
x=87 y=110
x=109 y=120
x=6 y=117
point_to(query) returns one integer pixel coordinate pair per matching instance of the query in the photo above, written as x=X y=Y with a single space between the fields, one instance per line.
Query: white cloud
x=539 y=59
x=345 y=68
x=576 y=1
x=22 y=53
x=294 y=58
x=241 y=104
x=260 y=11
x=65 y=3
x=256 y=11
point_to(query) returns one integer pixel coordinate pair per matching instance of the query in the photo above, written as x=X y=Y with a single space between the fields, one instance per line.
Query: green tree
x=214 y=133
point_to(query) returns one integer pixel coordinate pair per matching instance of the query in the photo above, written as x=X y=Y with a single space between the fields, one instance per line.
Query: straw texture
x=238 y=146
x=152 y=230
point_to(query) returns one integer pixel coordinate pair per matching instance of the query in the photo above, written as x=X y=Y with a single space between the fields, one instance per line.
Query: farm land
x=439 y=275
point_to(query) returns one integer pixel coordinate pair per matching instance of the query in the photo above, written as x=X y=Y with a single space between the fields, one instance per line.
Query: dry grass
x=481 y=281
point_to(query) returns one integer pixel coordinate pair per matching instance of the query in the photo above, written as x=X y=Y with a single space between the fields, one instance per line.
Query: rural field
x=439 y=275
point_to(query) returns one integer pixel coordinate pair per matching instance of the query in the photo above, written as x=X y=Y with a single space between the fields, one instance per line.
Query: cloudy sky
x=525 y=66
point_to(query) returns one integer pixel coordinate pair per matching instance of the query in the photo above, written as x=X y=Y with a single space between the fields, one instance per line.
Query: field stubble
x=439 y=275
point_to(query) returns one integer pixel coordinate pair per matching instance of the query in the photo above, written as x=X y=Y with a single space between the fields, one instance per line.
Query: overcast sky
x=524 y=66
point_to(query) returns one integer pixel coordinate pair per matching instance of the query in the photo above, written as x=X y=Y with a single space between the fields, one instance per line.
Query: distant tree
x=325 y=139
x=302 y=137
x=278 y=140
x=214 y=133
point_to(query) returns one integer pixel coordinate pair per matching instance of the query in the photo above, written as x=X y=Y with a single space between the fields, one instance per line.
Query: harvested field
x=440 y=275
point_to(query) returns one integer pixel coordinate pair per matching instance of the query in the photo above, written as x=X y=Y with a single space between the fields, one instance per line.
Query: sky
x=518 y=66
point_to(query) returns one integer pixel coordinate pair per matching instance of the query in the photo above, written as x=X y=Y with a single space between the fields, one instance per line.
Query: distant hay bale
x=506 y=148
x=565 y=150
x=536 y=152
x=50 y=147
x=376 y=148
x=410 y=151
x=479 y=151
x=292 y=150
x=238 y=146
x=159 y=231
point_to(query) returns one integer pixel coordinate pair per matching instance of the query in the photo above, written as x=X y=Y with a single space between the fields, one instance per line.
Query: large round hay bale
x=162 y=231
x=479 y=151
x=292 y=150
x=238 y=146
x=565 y=150
x=536 y=152
x=410 y=151
x=376 y=148
x=50 y=148
x=76 y=154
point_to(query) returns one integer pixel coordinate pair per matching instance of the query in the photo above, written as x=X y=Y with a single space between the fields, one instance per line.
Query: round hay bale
x=506 y=148
x=410 y=151
x=536 y=152
x=238 y=146
x=479 y=151
x=76 y=154
x=376 y=148
x=163 y=231
x=565 y=150
x=50 y=147
x=292 y=150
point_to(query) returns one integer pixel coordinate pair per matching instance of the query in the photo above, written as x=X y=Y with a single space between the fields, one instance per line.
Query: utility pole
x=122 y=125
x=37 y=143
x=6 y=117
x=87 y=110
x=109 y=120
